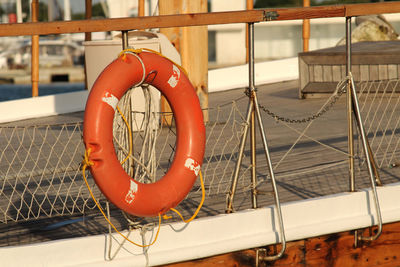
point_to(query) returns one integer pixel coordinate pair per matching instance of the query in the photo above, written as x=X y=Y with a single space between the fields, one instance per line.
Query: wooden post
x=141 y=8
x=250 y=4
x=88 y=35
x=35 y=51
x=306 y=29
x=192 y=43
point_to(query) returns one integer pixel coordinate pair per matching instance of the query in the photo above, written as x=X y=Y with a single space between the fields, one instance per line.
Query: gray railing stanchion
x=253 y=114
x=354 y=109
x=125 y=40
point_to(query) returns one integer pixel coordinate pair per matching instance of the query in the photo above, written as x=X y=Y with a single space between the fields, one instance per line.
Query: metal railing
x=249 y=17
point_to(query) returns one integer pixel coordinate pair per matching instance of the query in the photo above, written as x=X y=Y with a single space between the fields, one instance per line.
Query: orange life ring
x=127 y=194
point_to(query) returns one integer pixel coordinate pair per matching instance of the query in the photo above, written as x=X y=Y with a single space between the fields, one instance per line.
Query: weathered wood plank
x=247 y=16
x=311 y=73
x=324 y=57
x=319 y=87
x=392 y=71
x=382 y=52
x=337 y=73
x=343 y=71
x=364 y=72
x=370 y=62
x=371 y=9
x=383 y=72
x=327 y=73
x=132 y=23
x=355 y=70
x=373 y=73
x=398 y=70
x=318 y=75
x=309 y=12
x=304 y=75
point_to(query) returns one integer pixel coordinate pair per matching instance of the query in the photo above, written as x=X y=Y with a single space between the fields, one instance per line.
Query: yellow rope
x=203 y=195
x=122 y=54
x=87 y=163
x=140 y=50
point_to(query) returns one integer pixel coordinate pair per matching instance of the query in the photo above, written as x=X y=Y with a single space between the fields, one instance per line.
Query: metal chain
x=325 y=109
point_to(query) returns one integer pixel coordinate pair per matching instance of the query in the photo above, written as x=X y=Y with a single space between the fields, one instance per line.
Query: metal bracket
x=262 y=256
x=271 y=15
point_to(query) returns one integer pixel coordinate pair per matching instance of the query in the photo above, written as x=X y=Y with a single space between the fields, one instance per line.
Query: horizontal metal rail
x=198 y=19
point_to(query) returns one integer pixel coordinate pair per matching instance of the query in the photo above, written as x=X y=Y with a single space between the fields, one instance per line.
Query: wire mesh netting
x=380 y=103
x=40 y=173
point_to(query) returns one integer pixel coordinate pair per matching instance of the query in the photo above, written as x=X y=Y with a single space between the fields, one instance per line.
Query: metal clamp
x=261 y=255
x=271 y=15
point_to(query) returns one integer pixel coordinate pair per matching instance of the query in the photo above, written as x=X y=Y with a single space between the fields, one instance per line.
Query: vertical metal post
x=88 y=15
x=265 y=144
x=250 y=121
x=253 y=112
x=353 y=107
x=125 y=41
x=88 y=35
x=350 y=106
x=250 y=32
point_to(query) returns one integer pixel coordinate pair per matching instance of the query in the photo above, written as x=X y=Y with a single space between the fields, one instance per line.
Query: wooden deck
x=310 y=170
